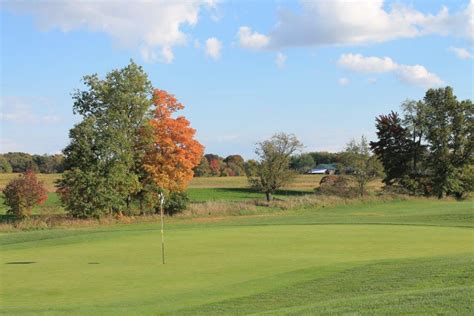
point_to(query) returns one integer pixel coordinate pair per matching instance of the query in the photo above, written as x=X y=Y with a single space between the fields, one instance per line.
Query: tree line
x=22 y=162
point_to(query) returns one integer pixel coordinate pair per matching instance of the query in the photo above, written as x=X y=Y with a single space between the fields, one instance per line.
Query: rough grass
x=390 y=257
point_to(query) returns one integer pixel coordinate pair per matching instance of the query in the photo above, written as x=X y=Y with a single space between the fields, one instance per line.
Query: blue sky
x=244 y=69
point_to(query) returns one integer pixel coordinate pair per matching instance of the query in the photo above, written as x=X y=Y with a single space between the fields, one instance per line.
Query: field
x=394 y=257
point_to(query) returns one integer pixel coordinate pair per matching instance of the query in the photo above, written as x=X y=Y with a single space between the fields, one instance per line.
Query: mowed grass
x=398 y=257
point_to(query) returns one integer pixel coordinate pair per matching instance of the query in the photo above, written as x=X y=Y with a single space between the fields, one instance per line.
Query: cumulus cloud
x=251 y=39
x=461 y=53
x=141 y=25
x=416 y=75
x=213 y=48
x=280 y=60
x=343 y=81
x=342 y=22
x=359 y=63
x=26 y=110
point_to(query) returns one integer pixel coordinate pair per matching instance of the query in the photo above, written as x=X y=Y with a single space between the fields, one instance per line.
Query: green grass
x=394 y=258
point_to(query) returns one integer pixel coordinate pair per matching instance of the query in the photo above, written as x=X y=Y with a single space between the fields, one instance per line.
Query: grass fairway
x=382 y=258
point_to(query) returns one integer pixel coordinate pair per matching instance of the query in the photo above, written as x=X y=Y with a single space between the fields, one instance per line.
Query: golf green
x=231 y=269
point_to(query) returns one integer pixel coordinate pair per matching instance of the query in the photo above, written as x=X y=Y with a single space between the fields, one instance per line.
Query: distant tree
x=302 y=163
x=320 y=157
x=21 y=162
x=203 y=169
x=393 y=147
x=236 y=164
x=449 y=133
x=365 y=167
x=104 y=157
x=5 y=166
x=23 y=193
x=215 y=164
x=49 y=163
x=273 y=167
x=175 y=152
x=251 y=167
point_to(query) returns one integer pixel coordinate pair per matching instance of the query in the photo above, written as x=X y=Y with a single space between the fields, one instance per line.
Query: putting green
x=119 y=270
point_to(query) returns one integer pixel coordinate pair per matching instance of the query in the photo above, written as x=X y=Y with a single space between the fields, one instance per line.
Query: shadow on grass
x=21 y=262
x=253 y=192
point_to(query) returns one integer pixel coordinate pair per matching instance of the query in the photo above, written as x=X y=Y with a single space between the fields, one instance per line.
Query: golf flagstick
x=162 y=200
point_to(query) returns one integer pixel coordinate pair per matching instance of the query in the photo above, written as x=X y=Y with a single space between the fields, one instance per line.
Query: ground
x=382 y=257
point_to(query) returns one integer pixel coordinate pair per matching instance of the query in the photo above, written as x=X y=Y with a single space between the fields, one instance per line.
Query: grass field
x=394 y=258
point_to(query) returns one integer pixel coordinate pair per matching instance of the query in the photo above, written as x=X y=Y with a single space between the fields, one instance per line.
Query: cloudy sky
x=244 y=69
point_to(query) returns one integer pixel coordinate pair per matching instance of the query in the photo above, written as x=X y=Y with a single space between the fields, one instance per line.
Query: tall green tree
x=449 y=133
x=273 y=166
x=103 y=159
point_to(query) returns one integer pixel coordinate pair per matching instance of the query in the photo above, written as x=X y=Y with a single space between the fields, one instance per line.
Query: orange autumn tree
x=174 y=152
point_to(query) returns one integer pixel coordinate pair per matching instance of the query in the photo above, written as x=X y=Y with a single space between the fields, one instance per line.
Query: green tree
x=103 y=160
x=203 y=169
x=273 y=166
x=449 y=133
x=5 y=166
x=302 y=163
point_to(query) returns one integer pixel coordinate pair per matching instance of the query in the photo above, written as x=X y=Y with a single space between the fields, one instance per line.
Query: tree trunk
x=269 y=196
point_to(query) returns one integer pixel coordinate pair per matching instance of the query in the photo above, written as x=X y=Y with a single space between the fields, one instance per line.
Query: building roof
x=327 y=166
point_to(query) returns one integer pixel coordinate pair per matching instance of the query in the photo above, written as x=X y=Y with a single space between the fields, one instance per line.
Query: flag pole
x=162 y=200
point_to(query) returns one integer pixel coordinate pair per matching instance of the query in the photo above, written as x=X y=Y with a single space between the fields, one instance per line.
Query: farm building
x=325 y=168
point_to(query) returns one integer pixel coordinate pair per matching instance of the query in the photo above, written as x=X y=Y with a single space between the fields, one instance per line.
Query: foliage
x=23 y=193
x=104 y=156
x=203 y=169
x=273 y=168
x=429 y=151
x=393 y=147
x=176 y=202
x=5 y=166
x=337 y=185
x=21 y=162
x=365 y=167
x=302 y=163
x=449 y=133
x=174 y=152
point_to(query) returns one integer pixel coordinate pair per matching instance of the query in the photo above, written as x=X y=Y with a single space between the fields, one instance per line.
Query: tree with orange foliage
x=170 y=159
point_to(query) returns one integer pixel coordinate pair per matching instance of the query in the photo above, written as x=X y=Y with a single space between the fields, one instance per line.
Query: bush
x=337 y=185
x=176 y=203
x=23 y=193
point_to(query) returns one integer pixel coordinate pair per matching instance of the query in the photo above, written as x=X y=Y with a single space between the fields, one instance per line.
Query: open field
x=396 y=257
x=201 y=189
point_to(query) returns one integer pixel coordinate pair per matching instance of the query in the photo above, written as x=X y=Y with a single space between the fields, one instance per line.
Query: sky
x=244 y=70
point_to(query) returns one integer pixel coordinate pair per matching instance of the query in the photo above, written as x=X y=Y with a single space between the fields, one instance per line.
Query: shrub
x=23 y=193
x=176 y=202
x=337 y=185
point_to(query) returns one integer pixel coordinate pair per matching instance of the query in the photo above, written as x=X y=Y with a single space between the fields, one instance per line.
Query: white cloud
x=280 y=60
x=416 y=75
x=27 y=110
x=359 y=63
x=141 y=25
x=251 y=40
x=461 y=53
x=343 y=81
x=343 y=22
x=213 y=48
